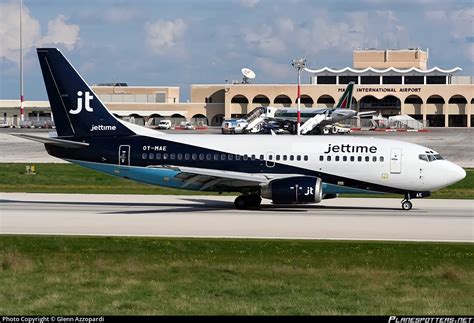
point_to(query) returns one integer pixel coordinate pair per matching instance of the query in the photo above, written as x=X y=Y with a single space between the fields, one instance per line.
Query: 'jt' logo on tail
x=88 y=97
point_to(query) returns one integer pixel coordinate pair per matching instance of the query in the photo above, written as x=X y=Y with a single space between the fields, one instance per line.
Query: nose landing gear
x=406 y=204
x=247 y=201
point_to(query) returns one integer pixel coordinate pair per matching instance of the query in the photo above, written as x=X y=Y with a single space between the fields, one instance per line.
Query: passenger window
x=237 y=157
x=270 y=157
x=194 y=156
x=328 y=158
x=246 y=157
x=336 y=158
x=298 y=157
x=284 y=157
x=321 y=158
x=151 y=156
x=187 y=156
x=352 y=158
x=359 y=158
x=144 y=155
x=253 y=157
x=158 y=156
x=180 y=156
x=230 y=157
x=306 y=157
x=208 y=156
x=165 y=156
x=374 y=159
x=367 y=158
x=262 y=157
x=201 y=156
x=292 y=157
x=381 y=158
x=216 y=156
x=222 y=156
x=277 y=157
x=344 y=158
x=172 y=156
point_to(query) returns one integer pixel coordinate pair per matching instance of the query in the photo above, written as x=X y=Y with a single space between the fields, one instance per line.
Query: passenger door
x=395 y=161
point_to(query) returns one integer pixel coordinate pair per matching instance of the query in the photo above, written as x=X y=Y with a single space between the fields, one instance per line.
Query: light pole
x=22 y=108
x=299 y=64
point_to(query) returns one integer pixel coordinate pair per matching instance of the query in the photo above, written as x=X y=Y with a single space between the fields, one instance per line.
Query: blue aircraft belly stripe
x=167 y=177
x=154 y=176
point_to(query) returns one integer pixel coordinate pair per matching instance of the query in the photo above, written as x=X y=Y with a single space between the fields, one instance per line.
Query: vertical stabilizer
x=77 y=111
x=345 y=102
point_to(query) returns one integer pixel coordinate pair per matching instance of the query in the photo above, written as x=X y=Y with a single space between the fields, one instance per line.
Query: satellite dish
x=248 y=75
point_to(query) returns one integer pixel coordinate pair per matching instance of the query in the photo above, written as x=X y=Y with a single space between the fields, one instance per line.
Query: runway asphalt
x=214 y=216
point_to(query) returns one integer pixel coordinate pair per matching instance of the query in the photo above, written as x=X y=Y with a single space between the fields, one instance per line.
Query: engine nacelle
x=294 y=190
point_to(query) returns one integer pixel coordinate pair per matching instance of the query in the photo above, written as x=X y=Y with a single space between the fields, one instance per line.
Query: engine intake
x=294 y=190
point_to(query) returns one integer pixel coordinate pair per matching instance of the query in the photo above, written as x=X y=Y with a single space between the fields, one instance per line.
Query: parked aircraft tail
x=345 y=102
x=77 y=110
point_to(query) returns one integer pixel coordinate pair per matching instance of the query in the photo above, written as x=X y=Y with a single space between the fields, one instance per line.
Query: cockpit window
x=430 y=157
x=423 y=157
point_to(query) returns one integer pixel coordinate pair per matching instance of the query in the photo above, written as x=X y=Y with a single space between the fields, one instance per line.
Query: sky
x=184 y=42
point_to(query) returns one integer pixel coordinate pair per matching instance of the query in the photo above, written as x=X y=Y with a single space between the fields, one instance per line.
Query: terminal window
x=370 y=80
x=326 y=79
x=391 y=79
x=347 y=79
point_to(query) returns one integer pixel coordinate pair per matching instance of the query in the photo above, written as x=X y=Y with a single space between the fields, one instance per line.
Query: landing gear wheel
x=333 y=130
x=253 y=200
x=406 y=205
x=240 y=202
x=244 y=202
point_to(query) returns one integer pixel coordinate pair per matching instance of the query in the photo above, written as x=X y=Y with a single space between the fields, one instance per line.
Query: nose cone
x=455 y=174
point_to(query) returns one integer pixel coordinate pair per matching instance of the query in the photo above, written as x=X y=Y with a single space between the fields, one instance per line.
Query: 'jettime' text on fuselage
x=350 y=149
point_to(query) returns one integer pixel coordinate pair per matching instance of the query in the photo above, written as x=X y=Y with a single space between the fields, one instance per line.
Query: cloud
x=59 y=32
x=275 y=70
x=436 y=15
x=264 y=41
x=249 y=3
x=10 y=30
x=113 y=14
x=460 y=26
x=163 y=35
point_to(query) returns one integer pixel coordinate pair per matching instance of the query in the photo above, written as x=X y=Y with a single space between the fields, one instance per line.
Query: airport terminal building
x=391 y=82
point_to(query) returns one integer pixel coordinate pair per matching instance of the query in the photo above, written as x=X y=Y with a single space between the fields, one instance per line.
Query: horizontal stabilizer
x=53 y=141
x=367 y=113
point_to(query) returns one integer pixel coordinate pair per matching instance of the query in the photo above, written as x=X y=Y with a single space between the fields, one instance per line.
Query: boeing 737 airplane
x=285 y=169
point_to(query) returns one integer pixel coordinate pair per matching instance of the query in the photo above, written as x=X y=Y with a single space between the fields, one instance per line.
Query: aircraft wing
x=212 y=178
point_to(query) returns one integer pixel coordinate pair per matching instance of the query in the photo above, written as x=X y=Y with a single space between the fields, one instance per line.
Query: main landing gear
x=406 y=204
x=247 y=201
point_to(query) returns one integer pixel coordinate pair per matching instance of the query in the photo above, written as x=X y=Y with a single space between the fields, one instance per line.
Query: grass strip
x=126 y=276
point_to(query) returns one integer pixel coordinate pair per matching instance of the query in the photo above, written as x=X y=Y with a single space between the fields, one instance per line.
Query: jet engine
x=294 y=190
